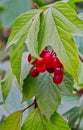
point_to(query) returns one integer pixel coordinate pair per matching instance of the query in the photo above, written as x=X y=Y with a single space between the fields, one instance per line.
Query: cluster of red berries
x=48 y=62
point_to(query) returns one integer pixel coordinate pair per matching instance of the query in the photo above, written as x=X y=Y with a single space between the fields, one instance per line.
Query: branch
x=34 y=103
x=28 y=106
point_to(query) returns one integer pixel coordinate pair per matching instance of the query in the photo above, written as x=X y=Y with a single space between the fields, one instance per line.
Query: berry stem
x=34 y=103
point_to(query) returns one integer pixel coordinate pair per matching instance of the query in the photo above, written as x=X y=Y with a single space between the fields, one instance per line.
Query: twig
x=28 y=106
x=34 y=103
x=35 y=6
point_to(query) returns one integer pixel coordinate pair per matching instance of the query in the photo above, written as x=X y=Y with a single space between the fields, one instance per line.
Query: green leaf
x=37 y=121
x=46 y=25
x=73 y=115
x=29 y=88
x=25 y=67
x=59 y=122
x=31 y=41
x=46 y=93
x=15 y=58
x=66 y=87
x=17 y=37
x=21 y=27
x=72 y=3
x=39 y=2
x=75 y=1
x=6 y=84
x=79 y=41
x=33 y=121
x=81 y=123
x=51 y=28
x=67 y=103
x=19 y=63
x=81 y=15
x=66 y=28
x=12 y=122
x=71 y=108
x=81 y=74
x=81 y=102
x=62 y=26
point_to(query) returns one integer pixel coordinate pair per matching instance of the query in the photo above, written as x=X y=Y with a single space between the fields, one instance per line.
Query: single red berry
x=40 y=66
x=47 y=59
x=34 y=73
x=56 y=63
x=44 y=52
x=58 y=79
x=29 y=57
x=50 y=70
x=57 y=71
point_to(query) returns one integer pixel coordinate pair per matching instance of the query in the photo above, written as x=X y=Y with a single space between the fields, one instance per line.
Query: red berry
x=57 y=79
x=44 y=52
x=29 y=57
x=34 y=73
x=48 y=66
x=57 y=71
x=56 y=63
x=50 y=70
x=40 y=66
x=47 y=58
